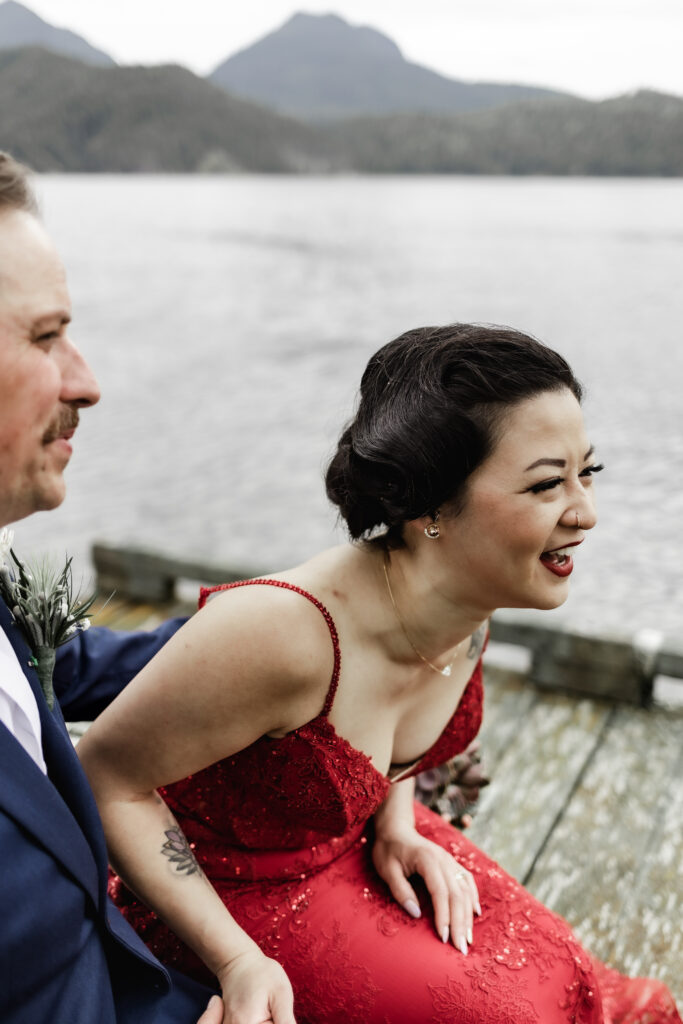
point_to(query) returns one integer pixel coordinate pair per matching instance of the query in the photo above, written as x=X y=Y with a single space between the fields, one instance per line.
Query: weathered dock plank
x=651 y=937
x=120 y=613
x=107 y=611
x=651 y=941
x=535 y=777
x=613 y=866
x=508 y=700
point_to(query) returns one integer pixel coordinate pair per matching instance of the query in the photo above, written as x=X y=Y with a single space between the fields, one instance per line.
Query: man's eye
x=545 y=485
x=47 y=336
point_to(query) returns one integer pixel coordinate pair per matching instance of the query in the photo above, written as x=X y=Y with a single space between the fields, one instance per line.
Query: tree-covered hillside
x=59 y=114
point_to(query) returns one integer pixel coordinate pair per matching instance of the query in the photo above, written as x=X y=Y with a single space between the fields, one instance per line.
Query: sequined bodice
x=280 y=831
x=307 y=788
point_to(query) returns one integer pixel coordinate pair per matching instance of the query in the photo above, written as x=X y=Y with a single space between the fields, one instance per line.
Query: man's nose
x=79 y=385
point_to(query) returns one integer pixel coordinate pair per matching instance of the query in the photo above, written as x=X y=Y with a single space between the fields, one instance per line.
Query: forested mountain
x=641 y=134
x=59 y=114
x=319 y=67
x=19 y=26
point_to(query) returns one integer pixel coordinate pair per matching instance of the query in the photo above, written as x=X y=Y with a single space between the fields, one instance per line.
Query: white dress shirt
x=18 y=707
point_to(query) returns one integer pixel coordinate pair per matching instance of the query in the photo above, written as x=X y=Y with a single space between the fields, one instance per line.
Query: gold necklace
x=446 y=671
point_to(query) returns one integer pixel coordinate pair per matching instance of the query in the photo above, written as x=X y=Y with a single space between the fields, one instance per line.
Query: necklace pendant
x=446 y=671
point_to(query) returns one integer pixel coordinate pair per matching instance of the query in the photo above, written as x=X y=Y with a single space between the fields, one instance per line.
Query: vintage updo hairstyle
x=431 y=406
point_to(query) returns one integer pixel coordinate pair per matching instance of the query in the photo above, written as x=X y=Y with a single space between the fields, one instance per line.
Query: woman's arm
x=148 y=838
x=400 y=851
x=218 y=685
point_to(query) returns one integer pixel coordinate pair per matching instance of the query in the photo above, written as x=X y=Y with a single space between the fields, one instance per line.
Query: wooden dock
x=585 y=807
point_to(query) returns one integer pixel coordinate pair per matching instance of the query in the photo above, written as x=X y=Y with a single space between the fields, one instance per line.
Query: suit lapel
x=59 y=810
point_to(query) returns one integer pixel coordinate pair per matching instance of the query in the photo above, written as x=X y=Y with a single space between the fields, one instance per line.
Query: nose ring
x=578 y=520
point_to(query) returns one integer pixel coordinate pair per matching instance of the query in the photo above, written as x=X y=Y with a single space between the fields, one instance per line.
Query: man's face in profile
x=43 y=378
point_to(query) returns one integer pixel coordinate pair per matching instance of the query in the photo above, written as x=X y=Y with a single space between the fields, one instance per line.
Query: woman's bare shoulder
x=278 y=624
x=254 y=660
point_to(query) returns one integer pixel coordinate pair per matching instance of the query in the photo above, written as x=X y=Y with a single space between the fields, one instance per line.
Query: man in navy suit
x=66 y=954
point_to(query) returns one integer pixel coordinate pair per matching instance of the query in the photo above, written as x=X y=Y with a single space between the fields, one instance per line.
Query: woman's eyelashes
x=547 y=485
x=589 y=470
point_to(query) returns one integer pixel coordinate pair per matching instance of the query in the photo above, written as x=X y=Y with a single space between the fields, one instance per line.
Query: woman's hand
x=256 y=990
x=404 y=852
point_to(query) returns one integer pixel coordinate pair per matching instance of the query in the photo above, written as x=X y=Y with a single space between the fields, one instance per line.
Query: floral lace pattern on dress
x=302 y=790
x=283 y=829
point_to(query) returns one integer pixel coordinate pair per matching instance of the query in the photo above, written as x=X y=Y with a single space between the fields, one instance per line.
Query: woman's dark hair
x=431 y=405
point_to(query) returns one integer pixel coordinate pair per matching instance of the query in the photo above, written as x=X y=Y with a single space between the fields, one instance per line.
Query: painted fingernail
x=469 y=936
x=444 y=934
x=462 y=946
x=411 y=907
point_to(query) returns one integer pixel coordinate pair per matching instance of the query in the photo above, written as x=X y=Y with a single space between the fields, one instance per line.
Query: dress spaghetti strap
x=205 y=592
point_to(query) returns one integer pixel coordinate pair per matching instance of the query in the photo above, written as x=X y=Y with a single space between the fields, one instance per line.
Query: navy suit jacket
x=67 y=956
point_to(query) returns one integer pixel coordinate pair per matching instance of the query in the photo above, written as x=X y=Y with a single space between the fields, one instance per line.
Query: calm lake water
x=229 y=320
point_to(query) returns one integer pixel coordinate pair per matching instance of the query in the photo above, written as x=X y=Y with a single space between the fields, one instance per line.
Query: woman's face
x=515 y=537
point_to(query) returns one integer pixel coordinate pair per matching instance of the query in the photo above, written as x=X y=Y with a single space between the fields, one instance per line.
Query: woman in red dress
x=256 y=781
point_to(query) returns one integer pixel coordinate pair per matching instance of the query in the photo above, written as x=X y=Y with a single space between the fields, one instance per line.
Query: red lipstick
x=564 y=568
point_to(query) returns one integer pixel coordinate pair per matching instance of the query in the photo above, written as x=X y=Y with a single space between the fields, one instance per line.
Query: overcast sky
x=596 y=48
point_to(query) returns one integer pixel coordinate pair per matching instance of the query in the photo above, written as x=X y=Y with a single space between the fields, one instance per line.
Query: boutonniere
x=45 y=606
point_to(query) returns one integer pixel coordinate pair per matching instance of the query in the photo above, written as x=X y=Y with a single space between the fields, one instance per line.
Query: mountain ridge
x=60 y=114
x=639 y=134
x=319 y=67
x=20 y=26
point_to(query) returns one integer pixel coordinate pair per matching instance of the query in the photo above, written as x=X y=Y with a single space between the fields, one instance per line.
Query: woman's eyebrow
x=546 y=462
x=556 y=462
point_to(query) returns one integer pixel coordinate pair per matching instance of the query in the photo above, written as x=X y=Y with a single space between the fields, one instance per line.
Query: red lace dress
x=283 y=830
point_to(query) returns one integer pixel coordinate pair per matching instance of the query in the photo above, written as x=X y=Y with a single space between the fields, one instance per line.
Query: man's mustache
x=66 y=422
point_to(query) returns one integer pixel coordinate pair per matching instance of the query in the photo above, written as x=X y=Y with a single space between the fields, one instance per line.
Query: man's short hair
x=16 y=192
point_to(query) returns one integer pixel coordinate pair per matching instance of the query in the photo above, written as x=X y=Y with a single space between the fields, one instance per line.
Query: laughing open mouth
x=559 y=561
x=559 y=555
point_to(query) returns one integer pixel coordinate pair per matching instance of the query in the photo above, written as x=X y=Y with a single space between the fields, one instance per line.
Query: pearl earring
x=432 y=529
